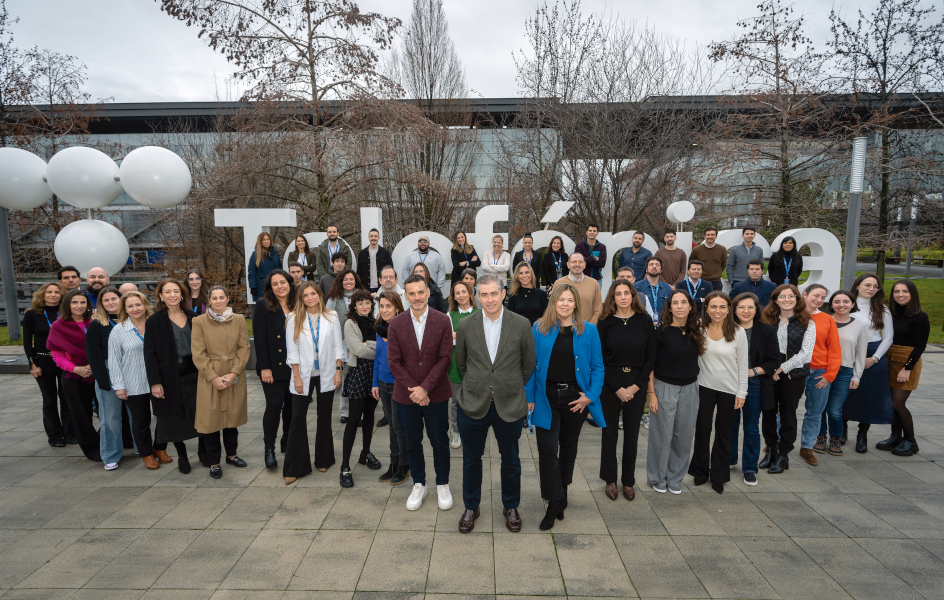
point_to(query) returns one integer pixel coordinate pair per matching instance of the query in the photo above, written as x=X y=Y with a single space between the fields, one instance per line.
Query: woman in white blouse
x=871 y=402
x=497 y=262
x=128 y=374
x=722 y=385
x=796 y=338
x=316 y=354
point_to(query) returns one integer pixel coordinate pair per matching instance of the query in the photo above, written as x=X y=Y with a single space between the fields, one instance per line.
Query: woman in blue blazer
x=568 y=378
x=263 y=260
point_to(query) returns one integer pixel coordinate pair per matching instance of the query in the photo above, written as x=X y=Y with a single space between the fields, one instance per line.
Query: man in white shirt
x=429 y=257
x=495 y=355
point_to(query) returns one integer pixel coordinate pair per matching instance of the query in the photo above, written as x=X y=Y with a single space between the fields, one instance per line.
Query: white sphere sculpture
x=155 y=177
x=680 y=212
x=83 y=177
x=90 y=243
x=21 y=180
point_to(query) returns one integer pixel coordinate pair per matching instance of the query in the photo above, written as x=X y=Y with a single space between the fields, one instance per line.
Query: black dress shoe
x=718 y=487
x=780 y=465
x=58 y=444
x=216 y=472
x=907 y=447
x=862 y=442
x=400 y=476
x=183 y=464
x=270 y=461
x=347 y=480
x=769 y=457
x=370 y=460
x=382 y=422
x=388 y=474
x=236 y=462
x=343 y=419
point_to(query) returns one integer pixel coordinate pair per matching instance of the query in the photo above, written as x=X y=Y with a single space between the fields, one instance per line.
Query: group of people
x=698 y=360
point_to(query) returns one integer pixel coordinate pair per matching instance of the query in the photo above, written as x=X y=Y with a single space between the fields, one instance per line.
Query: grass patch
x=5 y=338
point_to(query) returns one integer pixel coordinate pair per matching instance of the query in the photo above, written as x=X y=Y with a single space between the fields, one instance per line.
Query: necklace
x=681 y=328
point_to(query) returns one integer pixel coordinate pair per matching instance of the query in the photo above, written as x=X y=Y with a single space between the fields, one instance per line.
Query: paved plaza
x=861 y=526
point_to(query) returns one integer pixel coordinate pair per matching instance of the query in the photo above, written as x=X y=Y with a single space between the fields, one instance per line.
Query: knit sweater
x=723 y=366
x=854 y=341
x=676 y=357
x=591 y=302
x=827 y=354
x=715 y=259
x=673 y=264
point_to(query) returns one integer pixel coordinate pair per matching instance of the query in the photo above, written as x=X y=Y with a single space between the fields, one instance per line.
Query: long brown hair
x=453 y=305
x=609 y=305
x=550 y=245
x=65 y=307
x=307 y=245
x=549 y=320
x=876 y=304
x=772 y=311
x=261 y=252
x=203 y=297
x=38 y=301
x=184 y=293
x=425 y=272
x=468 y=249
x=100 y=314
x=693 y=329
x=912 y=308
x=727 y=326
x=301 y=310
x=394 y=299
x=337 y=288
x=515 y=284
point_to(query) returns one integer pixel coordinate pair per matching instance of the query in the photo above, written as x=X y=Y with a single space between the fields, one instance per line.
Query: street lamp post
x=9 y=278
x=855 y=210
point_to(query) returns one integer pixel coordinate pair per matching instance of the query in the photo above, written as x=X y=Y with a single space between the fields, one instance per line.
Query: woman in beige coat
x=220 y=345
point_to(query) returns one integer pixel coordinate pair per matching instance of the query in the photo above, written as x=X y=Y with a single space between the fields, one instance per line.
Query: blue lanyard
x=654 y=292
x=787 y=265
x=557 y=262
x=315 y=335
x=688 y=284
x=138 y=333
x=423 y=257
x=497 y=259
x=84 y=330
x=48 y=322
x=331 y=253
x=527 y=260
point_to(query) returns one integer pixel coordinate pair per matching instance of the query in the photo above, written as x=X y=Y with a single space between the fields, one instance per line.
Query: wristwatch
x=340 y=368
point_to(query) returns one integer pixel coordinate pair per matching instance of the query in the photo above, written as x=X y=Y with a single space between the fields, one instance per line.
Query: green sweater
x=456 y=316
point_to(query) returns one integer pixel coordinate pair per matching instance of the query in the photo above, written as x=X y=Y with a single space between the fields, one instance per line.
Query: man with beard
x=433 y=261
x=652 y=287
x=96 y=279
x=635 y=256
x=324 y=256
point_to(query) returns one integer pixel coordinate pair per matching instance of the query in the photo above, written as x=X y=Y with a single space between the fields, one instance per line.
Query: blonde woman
x=126 y=365
x=463 y=256
x=526 y=298
x=315 y=351
x=263 y=260
x=497 y=262
x=220 y=344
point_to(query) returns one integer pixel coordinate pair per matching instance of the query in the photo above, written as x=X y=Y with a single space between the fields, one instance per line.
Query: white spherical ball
x=680 y=212
x=83 y=177
x=21 y=180
x=88 y=244
x=155 y=177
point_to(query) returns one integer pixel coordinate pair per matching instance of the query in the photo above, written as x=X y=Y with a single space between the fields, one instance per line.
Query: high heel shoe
x=290 y=480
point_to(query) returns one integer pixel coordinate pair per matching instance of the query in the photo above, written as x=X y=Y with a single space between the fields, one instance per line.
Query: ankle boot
x=770 y=456
x=163 y=457
x=908 y=445
x=270 y=460
x=553 y=509
x=780 y=465
x=862 y=439
x=891 y=442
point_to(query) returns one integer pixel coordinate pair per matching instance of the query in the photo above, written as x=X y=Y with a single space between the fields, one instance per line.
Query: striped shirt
x=126 y=360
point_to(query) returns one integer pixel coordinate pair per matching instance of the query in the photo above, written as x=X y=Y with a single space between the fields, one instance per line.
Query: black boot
x=553 y=509
x=862 y=439
x=781 y=464
x=388 y=474
x=890 y=443
x=270 y=461
x=908 y=445
x=770 y=456
x=845 y=433
x=400 y=476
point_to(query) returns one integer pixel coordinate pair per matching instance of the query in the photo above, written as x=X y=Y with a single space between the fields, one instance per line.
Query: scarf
x=222 y=318
x=366 y=325
x=69 y=338
x=382 y=327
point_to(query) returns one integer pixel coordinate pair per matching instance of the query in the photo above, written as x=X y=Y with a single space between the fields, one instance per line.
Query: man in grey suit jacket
x=495 y=355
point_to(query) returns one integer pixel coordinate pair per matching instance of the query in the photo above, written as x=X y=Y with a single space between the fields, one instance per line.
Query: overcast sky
x=136 y=53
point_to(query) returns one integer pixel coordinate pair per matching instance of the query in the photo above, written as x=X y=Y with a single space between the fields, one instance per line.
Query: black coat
x=457 y=257
x=363 y=267
x=268 y=332
x=436 y=299
x=537 y=265
x=96 y=349
x=160 y=361
x=764 y=352
x=550 y=269
x=777 y=273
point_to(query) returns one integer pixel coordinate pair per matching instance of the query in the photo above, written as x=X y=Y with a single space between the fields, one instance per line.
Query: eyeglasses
x=785 y=297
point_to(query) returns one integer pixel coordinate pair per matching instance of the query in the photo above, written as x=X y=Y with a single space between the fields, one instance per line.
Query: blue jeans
x=751 y=410
x=815 y=405
x=474 y=434
x=109 y=416
x=435 y=416
x=838 y=392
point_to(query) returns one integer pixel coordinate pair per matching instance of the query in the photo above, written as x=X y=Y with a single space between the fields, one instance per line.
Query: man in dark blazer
x=419 y=352
x=495 y=355
x=370 y=274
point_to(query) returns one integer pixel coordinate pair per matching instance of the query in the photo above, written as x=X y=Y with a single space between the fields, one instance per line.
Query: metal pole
x=855 y=210
x=911 y=229
x=9 y=279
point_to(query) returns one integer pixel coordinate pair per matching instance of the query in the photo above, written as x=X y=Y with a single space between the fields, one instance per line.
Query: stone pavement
x=862 y=526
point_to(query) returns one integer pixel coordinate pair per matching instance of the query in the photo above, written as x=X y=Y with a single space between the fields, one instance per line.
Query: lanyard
x=303 y=260
x=497 y=259
x=654 y=292
x=787 y=265
x=48 y=322
x=557 y=262
x=423 y=257
x=84 y=330
x=138 y=333
x=315 y=334
x=527 y=259
x=688 y=284
x=331 y=253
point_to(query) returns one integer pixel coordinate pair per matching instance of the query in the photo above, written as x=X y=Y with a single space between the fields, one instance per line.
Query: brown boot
x=807 y=455
x=150 y=462
x=162 y=456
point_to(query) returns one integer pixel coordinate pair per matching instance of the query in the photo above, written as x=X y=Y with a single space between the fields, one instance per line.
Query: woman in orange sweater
x=827 y=358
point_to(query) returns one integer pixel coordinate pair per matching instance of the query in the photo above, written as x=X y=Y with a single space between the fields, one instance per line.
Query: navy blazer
x=588 y=357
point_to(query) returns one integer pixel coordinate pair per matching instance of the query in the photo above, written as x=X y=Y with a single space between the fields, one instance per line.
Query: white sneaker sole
x=419 y=504
x=111 y=466
x=658 y=489
x=751 y=483
x=676 y=492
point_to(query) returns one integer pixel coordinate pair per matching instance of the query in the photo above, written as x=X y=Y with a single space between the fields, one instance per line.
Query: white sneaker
x=456 y=440
x=111 y=466
x=658 y=487
x=645 y=421
x=416 y=497
x=675 y=491
x=445 y=497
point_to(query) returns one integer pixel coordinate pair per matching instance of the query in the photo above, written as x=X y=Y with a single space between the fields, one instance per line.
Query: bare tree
x=890 y=54
x=14 y=79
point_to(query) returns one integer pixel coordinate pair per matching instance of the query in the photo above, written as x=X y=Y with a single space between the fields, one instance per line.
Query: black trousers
x=278 y=396
x=79 y=396
x=787 y=393
x=557 y=446
x=713 y=463
x=57 y=418
x=359 y=407
x=140 y=407
x=214 y=448
x=297 y=454
x=632 y=413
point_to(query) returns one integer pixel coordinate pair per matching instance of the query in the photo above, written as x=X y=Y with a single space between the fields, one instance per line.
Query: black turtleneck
x=96 y=347
x=36 y=329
